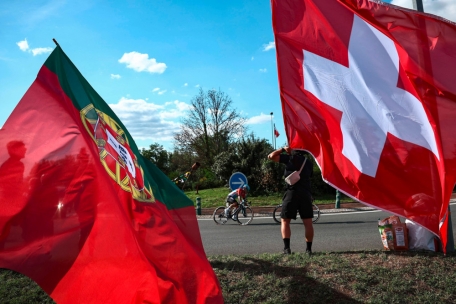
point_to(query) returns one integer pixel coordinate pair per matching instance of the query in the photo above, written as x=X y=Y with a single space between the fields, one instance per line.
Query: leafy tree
x=157 y=155
x=247 y=155
x=223 y=165
x=272 y=177
x=180 y=162
x=211 y=125
x=252 y=153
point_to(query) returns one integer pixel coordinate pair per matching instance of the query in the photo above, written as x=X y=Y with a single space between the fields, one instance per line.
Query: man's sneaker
x=287 y=251
x=227 y=212
x=308 y=252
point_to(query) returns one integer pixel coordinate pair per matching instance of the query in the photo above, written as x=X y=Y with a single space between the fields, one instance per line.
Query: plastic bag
x=386 y=234
x=420 y=238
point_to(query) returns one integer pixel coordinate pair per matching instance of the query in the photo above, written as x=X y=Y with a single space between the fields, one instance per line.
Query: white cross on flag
x=369 y=89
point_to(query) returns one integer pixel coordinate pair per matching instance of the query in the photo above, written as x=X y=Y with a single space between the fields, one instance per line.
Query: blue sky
x=147 y=59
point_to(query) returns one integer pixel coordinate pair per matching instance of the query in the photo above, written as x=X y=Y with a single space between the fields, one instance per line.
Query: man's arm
x=275 y=155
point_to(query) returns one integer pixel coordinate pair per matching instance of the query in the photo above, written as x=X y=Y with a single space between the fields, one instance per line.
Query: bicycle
x=278 y=210
x=243 y=214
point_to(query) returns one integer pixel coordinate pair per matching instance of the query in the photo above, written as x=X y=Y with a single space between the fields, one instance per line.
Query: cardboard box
x=393 y=233
x=400 y=234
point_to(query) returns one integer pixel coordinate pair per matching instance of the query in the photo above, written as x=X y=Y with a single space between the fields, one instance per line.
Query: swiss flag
x=368 y=88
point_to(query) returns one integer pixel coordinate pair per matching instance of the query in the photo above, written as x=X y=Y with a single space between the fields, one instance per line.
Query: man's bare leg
x=286 y=234
x=309 y=233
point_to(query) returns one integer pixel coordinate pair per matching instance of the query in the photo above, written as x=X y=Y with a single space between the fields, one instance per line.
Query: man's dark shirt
x=294 y=163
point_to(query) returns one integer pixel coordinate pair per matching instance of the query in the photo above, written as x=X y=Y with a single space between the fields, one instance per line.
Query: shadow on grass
x=252 y=280
x=337 y=277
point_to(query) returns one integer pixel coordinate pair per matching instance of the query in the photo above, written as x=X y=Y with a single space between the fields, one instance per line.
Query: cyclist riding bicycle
x=232 y=198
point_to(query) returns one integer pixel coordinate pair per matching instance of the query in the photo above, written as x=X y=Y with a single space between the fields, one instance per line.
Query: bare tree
x=212 y=124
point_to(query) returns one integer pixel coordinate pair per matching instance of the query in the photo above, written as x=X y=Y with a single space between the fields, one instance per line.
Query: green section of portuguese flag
x=82 y=94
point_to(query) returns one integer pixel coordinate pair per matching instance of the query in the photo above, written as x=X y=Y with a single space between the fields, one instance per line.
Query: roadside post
x=198 y=205
x=337 y=199
x=450 y=241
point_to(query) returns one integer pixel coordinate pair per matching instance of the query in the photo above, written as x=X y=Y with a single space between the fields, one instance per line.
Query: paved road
x=334 y=232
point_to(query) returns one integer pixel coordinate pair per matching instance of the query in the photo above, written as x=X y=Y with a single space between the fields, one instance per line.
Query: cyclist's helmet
x=246 y=187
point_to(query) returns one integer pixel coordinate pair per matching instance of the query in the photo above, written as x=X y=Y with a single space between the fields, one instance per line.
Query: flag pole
x=418 y=5
x=272 y=130
x=275 y=137
x=55 y=41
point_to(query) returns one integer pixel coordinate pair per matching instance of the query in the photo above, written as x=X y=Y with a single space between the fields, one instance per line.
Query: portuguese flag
x=82 y=213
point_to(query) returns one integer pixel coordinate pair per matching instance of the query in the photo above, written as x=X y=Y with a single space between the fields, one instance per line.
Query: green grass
x=17 y=289
x=343 y=277
x=326 y=277
x=211 y=198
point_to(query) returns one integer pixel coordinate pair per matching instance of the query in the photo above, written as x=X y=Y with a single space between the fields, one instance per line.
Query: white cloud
x=115 y=76
x=197 y=86
x=23 y=45
x=149 y=121
x=260 y=119
x=252 y=58
x=177 y=110
x=269 y=46
x=141 y=62
x=158 y=91
x=263 y=70
x=185 y=84
x=182 y=106
x=135 y=105
x=39 y=51
x=442 y=8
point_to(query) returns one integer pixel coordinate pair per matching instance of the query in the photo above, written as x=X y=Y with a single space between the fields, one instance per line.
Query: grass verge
x=338 y=277
x=211 y=198
x=326 y=277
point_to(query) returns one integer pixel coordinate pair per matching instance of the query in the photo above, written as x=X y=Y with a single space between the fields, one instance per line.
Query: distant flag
x=276 y=133
x=82 y=213
x=368 y=88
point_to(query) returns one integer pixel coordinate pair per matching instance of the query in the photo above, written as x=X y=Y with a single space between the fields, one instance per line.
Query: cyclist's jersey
x=238 y=192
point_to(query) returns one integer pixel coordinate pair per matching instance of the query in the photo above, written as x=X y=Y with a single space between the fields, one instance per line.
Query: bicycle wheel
x=316 y=213
x=276 y=214
x=219 y=216
x=245 y=216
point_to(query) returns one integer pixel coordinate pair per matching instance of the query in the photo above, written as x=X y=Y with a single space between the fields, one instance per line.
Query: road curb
x=325 y=208
x=267 y=211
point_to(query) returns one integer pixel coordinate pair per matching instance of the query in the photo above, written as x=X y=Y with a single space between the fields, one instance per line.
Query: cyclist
x=232 y=198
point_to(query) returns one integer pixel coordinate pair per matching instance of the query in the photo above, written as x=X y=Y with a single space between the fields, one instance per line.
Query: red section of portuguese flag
x=69 y=226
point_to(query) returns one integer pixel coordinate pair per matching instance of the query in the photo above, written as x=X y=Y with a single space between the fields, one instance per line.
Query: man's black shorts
x=297 y=201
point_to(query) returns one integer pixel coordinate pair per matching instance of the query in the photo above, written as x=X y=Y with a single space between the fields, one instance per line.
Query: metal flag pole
x=272 y=129
x=275 y=137
x=418 y=5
